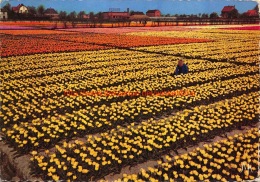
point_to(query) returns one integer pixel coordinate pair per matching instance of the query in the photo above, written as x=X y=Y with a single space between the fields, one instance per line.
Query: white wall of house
x=23 y=9
x=3 y=15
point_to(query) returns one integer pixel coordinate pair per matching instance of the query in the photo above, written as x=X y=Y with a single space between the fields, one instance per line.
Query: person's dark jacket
x=183 y=69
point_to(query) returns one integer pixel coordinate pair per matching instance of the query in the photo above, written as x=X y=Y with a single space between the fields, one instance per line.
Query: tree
x=91 y=15
x=256 y=8
x=32 y=11
x=62 y=15
x=81 y=14
x=131 y=12
x=40 y=10
x=234 y=14
x=204 y=15
x=213 y=15
x=243 y=15
x=7 y=7
x=72 y=15
x=193 y=16
x=9 y=11
x=99 y=16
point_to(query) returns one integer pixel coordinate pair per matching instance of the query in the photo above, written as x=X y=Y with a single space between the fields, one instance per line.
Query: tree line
x=213 y=15
x=37 y=13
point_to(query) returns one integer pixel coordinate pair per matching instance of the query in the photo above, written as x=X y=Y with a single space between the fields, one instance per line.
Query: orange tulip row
x=33 y=44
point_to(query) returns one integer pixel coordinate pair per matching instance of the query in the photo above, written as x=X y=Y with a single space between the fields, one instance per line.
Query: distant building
x=20 y=9
x=3 y=14
x=229 y=12
x=136 y=13
x=153 y=13
x=115 y=15
x=252 y=13
x=52 y=13
x=139 y=18
x=85 y=16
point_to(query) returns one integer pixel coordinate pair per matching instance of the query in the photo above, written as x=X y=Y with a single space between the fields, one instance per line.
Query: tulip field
x=106 y=105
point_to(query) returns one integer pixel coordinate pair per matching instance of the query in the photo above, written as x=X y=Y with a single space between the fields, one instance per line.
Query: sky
x=165 y=6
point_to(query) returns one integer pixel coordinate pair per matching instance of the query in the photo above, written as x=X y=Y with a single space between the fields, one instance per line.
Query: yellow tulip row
x=222 y=55
x=93 y=70
x=216 y=35
x=60 y=102
x=231 y=159
x=43 y=60
x=154 y=65
x=250 y=59
x=227 y=46
x=41 y=107
x=193 y=50
x=95 y=118
x=115 y=79
x=98 y=155
x=62 y=78
x=170 y=82
x=238 y=54
x=72 y=66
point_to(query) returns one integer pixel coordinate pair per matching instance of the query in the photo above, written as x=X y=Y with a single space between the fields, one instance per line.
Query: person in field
x=181 y=68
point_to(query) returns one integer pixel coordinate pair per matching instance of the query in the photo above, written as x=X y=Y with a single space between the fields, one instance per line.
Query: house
x=136 y=13
x=252 y=13
x=20 y=9
x=229 y=12
x=3 y=14
x=153 y=13
x=85 y=16
x=115 y=15
x=52 y=13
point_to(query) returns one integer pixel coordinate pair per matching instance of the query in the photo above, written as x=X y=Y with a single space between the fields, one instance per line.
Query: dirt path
x=14 y=167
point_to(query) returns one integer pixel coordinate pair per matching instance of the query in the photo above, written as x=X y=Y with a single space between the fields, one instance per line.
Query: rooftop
x=228 y=8
x=50 y=11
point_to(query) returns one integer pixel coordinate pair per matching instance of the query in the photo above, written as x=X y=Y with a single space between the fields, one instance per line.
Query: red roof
x=152 y=11
x=252 y=13
x=17 y=8
x=227 y=9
